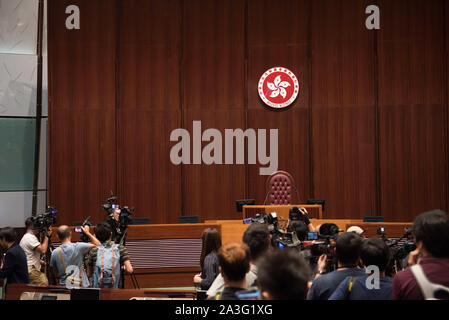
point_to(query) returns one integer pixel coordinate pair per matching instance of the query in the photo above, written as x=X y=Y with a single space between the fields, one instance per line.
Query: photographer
x=33 y=250
x=300 y=214
x=114 y=222
x=375 y=252
x=119 y=218
x=283 y=275
x=71 y=254
x=258 y=239
x=347 y=251
x=105 y=261
x=14 y=268
x=300 y=228
x=431 y=234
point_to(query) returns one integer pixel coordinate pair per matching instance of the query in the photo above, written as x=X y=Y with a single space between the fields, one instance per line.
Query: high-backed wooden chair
x=280 y=188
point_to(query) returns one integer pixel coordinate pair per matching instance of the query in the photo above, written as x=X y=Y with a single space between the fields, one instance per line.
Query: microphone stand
x=268 y=192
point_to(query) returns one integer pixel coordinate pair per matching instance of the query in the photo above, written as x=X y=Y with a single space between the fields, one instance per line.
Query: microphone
x=268 y=192
x=297 y=194
x=86 y=221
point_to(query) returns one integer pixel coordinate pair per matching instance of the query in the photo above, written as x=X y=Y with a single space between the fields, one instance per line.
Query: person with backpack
x=106 y=261
x=428 y=276
x=375 y=253
x=67 y=260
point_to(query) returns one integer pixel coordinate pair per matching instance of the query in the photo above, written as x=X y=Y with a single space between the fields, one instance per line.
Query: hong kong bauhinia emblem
x=278 y=87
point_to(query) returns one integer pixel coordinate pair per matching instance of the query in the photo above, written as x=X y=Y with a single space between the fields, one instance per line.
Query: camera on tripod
x=118 y=221
x=399 y=248
x=279 y=237
x=42 y=222
x=327 y=236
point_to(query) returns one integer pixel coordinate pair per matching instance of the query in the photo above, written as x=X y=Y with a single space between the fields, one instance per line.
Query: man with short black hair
x=69 y=255
x=283 y=275
x=300 y=228
x=15 y=268
x=33 y=250
x=431 y=233
x=233 y=260
x=104 y=233
x=347 y=251
x=258 y=239
x=375 y=252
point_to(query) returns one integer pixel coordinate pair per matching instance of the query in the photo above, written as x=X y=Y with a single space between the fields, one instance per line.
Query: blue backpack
x=107 y=267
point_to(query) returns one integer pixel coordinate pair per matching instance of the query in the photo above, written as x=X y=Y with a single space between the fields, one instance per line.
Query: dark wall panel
x=212 y=78
x=148 y=108
x=278 y=36
x=147 y=179
x=82 y=144
x=343 y=109
x=368 y=132
x=413 y=164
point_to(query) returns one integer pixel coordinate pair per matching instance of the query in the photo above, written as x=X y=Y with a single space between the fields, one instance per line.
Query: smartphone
x=312 y=236
x=78 y=230
x=115 y=206
x=253 y=294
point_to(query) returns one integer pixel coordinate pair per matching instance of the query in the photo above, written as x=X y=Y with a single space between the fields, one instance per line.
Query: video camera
x=299 y=214
x=327 y=235
x=279 y=237
x=399 y=249
x=44 y=221
x=120 y=224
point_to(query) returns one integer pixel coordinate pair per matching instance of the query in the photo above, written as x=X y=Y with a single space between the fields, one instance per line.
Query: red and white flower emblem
x=278 y=87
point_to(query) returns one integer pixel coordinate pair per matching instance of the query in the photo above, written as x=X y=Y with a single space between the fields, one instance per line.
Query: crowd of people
x=98 y=263
x=255 y=269
x=252 y=268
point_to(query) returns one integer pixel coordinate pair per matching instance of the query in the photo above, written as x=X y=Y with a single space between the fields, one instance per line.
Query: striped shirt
x=210 y=270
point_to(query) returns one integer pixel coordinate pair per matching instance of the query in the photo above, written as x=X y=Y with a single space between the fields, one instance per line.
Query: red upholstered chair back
x=280 y=188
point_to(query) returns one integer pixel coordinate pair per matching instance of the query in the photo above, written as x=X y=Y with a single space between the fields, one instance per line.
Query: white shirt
x=29 y=243
x=218 y=284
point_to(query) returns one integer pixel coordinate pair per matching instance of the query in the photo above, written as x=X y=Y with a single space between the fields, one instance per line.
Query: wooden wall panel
x=149 y=54
x=148 y=108
x=368 y=132
x=82 y=142
x=413 y=164
x=213 y=93
x=278 y=36
x=148 y=180
x=81 y=62
x=343 y=109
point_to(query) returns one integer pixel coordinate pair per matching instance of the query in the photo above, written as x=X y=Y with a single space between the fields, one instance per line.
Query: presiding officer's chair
x=280 y=187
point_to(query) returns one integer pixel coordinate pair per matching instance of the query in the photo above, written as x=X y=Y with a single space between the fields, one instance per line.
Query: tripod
x=46 y=257
x=122 y=272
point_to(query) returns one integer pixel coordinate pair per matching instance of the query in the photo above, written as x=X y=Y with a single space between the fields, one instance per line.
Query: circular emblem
x=278 y=87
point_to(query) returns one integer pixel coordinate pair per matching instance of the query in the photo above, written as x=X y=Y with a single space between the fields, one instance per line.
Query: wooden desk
x=232 y=230
x=15 y=292
x=393 y=229
x=314 y=211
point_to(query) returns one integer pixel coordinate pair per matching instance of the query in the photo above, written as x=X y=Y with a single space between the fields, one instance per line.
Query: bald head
x=63 y=232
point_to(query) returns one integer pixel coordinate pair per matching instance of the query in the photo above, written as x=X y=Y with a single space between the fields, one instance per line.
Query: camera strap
x=73 y=280
x=350 y=284
x=428 y=288
x=102 y=265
